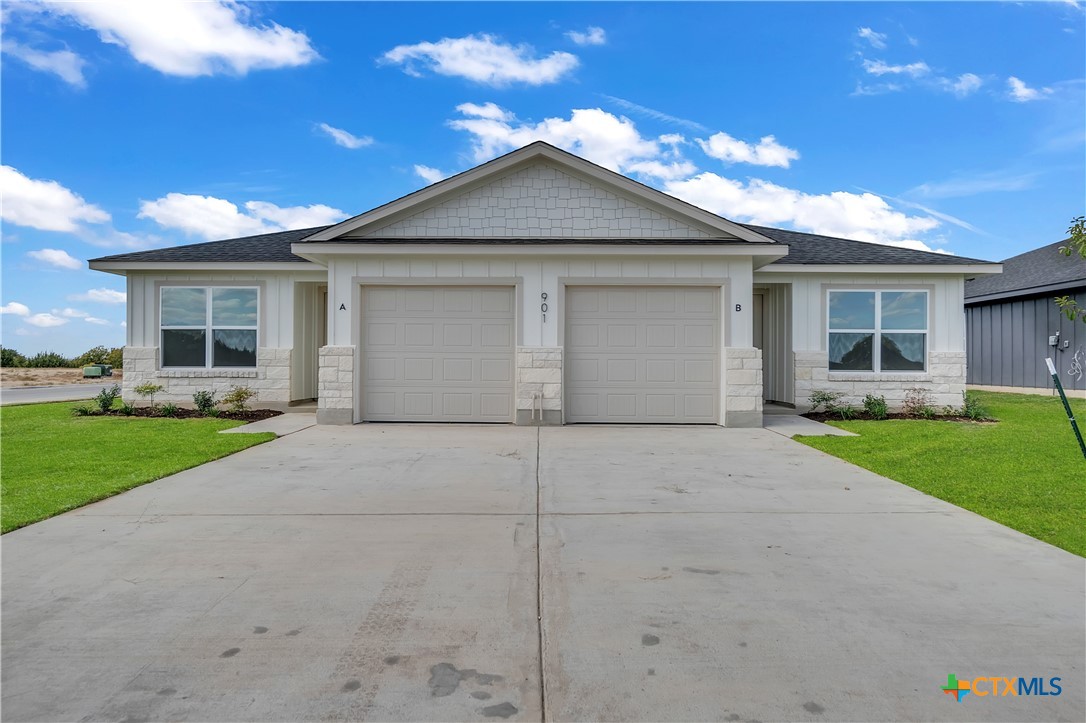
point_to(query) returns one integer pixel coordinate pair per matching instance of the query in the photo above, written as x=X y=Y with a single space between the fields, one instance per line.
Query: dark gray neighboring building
x=1011 y=320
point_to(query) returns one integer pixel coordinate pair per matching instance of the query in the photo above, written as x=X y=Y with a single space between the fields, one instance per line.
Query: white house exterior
x=541 y=288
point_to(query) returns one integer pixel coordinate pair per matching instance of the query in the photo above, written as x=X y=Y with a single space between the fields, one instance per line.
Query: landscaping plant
x=205 y=403
x=127 y=409
x=148 y=390
x=824 y=399
x=238 y=399
x=169 y=409
x=107 y=397
x=971 y=407
x=876 y=406
x=918 y=404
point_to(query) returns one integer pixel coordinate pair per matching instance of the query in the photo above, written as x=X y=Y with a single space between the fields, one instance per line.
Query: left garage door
x=437 y=354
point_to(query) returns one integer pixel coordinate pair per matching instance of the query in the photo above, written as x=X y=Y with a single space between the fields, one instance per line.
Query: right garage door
x=646 y=355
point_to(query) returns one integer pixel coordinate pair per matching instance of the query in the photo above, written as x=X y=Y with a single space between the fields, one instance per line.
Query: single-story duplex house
x=1012 y=323
x=541 y=288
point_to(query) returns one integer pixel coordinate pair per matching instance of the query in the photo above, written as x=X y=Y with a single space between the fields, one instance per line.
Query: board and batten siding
x=1007 y=342
x=276 y=317
x=537 y=276
x=947 y=332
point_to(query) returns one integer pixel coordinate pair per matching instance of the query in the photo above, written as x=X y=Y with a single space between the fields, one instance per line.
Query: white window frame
x=207 y=328
x=878 y=331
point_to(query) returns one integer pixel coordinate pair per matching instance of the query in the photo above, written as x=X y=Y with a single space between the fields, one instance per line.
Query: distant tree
x=116 y=357
x=1076 y=245
x=97 y=355
x=11 y=358
x=48 y=360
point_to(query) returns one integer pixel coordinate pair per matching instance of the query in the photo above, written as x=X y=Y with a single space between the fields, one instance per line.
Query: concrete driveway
x=392 y=573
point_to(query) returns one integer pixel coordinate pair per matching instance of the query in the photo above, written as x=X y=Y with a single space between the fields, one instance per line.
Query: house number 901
x=543 y=306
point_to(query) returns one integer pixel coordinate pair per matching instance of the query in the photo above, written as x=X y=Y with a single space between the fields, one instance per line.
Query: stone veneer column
x=944 y=381
x=539 y=376
x=742 y=387
x=335 y=385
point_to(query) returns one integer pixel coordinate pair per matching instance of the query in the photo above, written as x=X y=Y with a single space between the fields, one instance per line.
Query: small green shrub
x=169 y=409
x=876 y=406
x=972 y=408
x=83 y=410
x=825 y=399
x=126 y=409
x=11 y=358
x=238 y=399
x=107 y=397
x=213 y=412
x=148 y=390
x=205 y=402
x=844 y=411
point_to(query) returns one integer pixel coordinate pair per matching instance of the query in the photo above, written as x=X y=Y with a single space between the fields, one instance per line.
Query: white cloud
x=101 y=296
x=428 y=174
x=483 y=59
x=864 y=217
x=64 y=64
x=191 y=39
x=1019 y=92
x=877 y=40
x=489 y=110
x=45 y=320
x=56 y=257
x=96 y=320
x=345 y=139
x=876 y=89
x=962 y=86
x=593 y=36
x=767 y=152
x=610 y=141
x=216 y=218
x=44 y=205
x=14 y=307
x=70 y=313
x=880 y=68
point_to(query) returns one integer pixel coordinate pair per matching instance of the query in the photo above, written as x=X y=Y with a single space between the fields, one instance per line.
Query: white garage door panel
x=437 y=354
x=642 y=354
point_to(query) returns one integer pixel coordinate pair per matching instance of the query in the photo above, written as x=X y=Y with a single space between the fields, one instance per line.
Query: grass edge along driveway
x=1026 y=472
x=52 y=462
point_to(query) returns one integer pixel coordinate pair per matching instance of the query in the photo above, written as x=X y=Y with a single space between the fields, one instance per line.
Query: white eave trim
x=971 y=269
x=315 y=251
x=120 y=267
x=538 y=150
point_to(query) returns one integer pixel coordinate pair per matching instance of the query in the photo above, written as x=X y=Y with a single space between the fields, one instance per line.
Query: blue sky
x=955 y=127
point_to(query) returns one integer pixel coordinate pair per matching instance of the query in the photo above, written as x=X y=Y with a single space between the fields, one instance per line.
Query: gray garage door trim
x=642 y=354
x=438 y=353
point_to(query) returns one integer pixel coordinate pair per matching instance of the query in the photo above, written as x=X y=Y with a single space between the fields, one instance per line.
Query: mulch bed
x=253 y=415
x=863 y=416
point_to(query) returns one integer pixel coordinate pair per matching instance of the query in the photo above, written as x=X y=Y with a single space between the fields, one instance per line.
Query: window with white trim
x=885 y=331
x=208 y=327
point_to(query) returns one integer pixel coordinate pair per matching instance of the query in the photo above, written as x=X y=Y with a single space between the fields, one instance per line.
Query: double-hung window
x=878 y=331
x=208 y=326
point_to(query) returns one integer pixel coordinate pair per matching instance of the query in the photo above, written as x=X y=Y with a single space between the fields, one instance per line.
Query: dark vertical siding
x=1007 y=342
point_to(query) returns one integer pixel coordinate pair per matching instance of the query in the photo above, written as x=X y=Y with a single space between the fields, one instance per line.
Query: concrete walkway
x=794 y=425
x=282 y=425
x=399 y=572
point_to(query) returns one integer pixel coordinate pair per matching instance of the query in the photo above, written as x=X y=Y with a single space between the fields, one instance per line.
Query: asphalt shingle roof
x=810 y=248
x=1043 y=267
x=804 y=248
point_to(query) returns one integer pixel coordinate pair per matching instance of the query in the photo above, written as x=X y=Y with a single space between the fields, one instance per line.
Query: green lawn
x=51 y=462
x=1025 y=472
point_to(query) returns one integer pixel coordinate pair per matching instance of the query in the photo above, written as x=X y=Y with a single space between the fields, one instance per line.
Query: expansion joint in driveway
x=539 y=581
